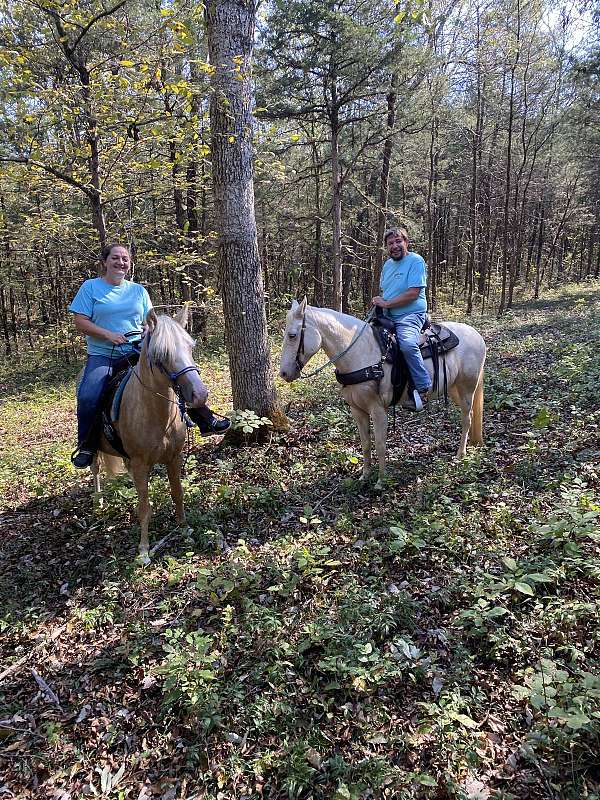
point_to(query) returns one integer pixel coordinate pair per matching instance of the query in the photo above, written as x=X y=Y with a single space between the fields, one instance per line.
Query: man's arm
x=400 y=300
x=86 y=326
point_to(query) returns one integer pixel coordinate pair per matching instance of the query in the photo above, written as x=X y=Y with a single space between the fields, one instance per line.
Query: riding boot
x=83 y=456
x=207 y=421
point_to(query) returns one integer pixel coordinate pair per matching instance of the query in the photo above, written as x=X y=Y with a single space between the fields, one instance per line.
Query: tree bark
x=384 y=186
x=230 y=41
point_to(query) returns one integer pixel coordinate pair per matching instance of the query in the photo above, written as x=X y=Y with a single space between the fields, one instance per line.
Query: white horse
x=351 y=345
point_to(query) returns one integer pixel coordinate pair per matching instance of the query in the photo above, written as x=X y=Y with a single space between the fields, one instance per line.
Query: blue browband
x=172 y=376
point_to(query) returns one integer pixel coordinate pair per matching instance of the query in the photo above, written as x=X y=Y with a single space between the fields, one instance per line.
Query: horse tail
x=476 y=430
x=112 y=465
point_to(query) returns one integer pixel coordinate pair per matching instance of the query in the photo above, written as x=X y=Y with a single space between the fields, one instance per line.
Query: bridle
x=172 y=376
x=300 y=351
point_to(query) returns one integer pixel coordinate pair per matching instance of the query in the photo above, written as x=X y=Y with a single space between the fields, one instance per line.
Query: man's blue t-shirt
x=397 y=277
x=120 y=308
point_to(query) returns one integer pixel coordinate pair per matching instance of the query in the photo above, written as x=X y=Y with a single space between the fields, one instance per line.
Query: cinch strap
x=372 y=373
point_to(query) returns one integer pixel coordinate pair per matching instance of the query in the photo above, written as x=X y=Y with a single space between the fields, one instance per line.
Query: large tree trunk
x=336 y=186
x=230 y=40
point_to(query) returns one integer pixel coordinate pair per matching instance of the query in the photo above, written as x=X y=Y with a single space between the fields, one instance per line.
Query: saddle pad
x=116 y=402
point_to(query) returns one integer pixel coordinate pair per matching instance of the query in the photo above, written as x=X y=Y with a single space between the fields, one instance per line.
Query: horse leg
x=463 y=398
x=364 y=428
x=380 y=425
x=97 y=497
x=174 y=473
x=140 y=474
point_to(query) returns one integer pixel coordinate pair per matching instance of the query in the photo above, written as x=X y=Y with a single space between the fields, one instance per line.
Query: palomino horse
x=150 y=421
x=351 y=345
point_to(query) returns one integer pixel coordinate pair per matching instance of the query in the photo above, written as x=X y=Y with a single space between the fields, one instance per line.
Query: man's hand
x=379 y=301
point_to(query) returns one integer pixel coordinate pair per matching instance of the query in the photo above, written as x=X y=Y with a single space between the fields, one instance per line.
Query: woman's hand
x=379 y=301
x=115 y=338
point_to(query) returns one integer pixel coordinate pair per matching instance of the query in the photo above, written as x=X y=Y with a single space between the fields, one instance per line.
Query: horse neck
x=338 y=331
x=155 y=388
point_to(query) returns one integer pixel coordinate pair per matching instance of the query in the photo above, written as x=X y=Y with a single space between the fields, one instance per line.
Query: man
x=402 y=286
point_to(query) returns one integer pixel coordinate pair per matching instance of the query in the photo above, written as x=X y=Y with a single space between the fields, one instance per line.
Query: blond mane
x=167 y=339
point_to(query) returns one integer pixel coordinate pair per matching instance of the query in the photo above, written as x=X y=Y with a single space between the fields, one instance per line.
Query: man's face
x=396 y=246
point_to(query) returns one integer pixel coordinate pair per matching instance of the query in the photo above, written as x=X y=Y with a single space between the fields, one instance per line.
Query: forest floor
x=308 y=637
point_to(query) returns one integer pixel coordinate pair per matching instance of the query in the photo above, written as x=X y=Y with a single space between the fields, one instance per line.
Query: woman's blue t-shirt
x=398 y=276
x=120 y=308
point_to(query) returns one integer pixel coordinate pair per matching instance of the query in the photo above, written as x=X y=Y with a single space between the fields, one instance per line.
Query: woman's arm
x=85 y=325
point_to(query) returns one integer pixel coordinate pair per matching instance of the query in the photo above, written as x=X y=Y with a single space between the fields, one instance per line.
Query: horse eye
x=292 y=335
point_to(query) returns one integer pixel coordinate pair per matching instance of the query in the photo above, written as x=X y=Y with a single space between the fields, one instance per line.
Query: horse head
x=170 y=347
x=300 y=342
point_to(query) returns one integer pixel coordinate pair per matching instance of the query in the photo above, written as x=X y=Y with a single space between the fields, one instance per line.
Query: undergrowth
x=306 y=636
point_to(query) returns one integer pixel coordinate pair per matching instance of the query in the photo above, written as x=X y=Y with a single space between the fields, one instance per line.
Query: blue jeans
x=407 y=334
x=95 y=375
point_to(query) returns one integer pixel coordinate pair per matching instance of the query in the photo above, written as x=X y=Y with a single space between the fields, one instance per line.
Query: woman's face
x=117 y=265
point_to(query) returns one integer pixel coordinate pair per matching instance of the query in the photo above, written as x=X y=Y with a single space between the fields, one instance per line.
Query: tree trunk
x=506 y=256
x=230 y=40
x=336 y=298
x=384 y=186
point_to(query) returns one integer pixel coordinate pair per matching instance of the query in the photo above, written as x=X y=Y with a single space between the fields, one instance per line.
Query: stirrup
x=414 y=402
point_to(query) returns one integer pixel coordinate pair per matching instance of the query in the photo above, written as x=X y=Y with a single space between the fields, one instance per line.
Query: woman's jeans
x=407 y=334
x=98 y=370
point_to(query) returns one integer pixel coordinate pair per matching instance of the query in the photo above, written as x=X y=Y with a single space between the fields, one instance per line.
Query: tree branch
x=52 y=171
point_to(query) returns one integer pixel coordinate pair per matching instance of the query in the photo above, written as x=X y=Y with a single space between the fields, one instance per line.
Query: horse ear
x=299 y=309
x=182 y=316
x=151 y=320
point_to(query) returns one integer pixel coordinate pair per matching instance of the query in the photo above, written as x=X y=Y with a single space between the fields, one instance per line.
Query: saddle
x=109 y=405
x=435 y=341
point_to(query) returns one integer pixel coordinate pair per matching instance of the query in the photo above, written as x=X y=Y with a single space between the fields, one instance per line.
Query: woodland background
x=475 y=124
x=306 y=638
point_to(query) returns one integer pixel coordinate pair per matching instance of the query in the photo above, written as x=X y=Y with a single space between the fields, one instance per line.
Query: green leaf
x=342 y=793
x=497 y=611
x=524 y=588
x=426 y=780
x=510 y=563
x=466 y=721
x=539 y=577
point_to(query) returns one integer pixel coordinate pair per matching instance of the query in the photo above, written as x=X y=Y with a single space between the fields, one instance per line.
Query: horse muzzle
x=289 y=375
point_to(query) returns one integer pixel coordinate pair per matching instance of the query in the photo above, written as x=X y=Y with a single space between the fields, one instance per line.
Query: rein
x=300 y=351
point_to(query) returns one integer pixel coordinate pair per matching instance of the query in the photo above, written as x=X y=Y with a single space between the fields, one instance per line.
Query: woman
x=106 y=308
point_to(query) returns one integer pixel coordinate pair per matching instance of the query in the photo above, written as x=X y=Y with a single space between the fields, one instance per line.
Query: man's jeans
x=407 y=333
